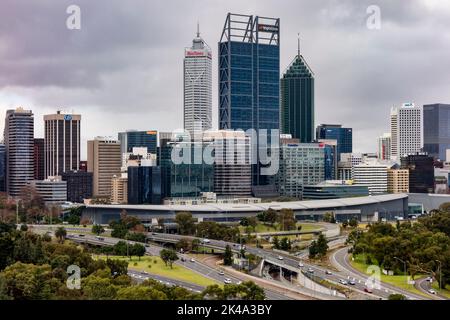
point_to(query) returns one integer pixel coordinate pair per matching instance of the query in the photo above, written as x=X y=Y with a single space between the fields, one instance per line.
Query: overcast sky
x=124 y=68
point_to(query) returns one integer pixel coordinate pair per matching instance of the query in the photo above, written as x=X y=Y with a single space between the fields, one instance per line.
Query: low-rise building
x=398 y=181
x=52 y=190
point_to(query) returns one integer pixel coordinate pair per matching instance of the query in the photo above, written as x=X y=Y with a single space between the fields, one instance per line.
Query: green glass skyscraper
x=297 y=100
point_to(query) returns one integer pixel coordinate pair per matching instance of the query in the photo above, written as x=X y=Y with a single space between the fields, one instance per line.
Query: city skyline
x=138 y=80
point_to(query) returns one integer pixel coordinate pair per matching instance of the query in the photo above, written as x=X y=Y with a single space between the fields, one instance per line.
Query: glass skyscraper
x=343 y=136
x=130 y=139
x=249 y=77
x=436 y=129
x=297 y=100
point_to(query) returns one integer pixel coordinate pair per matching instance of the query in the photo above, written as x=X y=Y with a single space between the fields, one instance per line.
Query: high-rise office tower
x=249 y=80
x=79 y=185
x=2 y=168
x=436 y=129
x=197 y=86
x=421 y=172
x=104 y=161
x=384 y=147
x=130 y=139
x=19 y=143
x=406 y=130
x=343 y=136
x=39 y=161
x=62 y=143
x=297 y=100
x=232 y=163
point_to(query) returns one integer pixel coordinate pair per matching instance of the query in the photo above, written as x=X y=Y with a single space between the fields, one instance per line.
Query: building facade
x=406 y=130
x=343 y=136
x=300 y=164
x=333 y=191
x=421 y=172
x=19 y=143
x=104 y=161
x=39 y=159
x=232 y=163
x=145 y=185
x=372 y=175
x=297 y=100
x=384 y=147
x=398 y=181
x=131 y=139
x=249 y=80
x=52 y=190
x=197 y=69
x=119 y=190
x=79 y=185
x=61 y=143
x=436 y=129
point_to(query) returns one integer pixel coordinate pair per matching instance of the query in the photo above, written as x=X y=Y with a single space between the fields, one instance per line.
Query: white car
x=280 y=258
x=328 y=272
x=227 y=281
x=352 y=282
x=239 y=282
x=192 y=260
x=432 y=291
x=221 y=273
x=206 y=241
x=310 y=270
x=300 y=265
x=342 y=281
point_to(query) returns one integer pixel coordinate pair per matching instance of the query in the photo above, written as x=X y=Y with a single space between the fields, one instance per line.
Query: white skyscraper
x=406 y=130
x=197 y=86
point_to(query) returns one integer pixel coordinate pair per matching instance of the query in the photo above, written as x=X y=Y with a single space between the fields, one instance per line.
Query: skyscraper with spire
x=297 y=100
x=197 y=86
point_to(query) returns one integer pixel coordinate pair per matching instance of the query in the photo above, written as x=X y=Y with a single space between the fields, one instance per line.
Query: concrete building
x=197 y=71
x=61 y=143
x=104 y=161
x=19 y=144
x=384 y=147
x=398 y=181
x=373 y=175
x=406 y=130
x=300 y=164
x=79 y=185
x=232 y=163
x=119 y=190
x=52 y=190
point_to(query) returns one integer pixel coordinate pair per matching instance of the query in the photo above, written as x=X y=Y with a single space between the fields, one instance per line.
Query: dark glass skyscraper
x=421 y=172
x=2 y=168
x=145 y=185
x=130 y=139
x=343 y=136
x=436 y=129
x=249 y=77
x=297 y=100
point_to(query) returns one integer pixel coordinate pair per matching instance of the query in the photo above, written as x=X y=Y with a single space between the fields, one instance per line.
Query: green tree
x=322 y=246
x=97 y=229
x=137 y=249
x=285 y=244
x=61 y=234
x=168 y=256
x=286 y=219
x=140 y=293
x=276 y=242
x=117 y=267
x=353 y=222
x=228 y=256
x=396 y=296
x=186 y=223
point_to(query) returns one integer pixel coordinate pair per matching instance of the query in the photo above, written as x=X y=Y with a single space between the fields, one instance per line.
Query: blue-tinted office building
x=249 y=78
x=330 y=162
x=436 y=129
x=145 y=185
x=343 y=136
x=130 y=139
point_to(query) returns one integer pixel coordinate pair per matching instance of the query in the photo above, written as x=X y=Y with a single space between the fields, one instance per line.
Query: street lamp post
x=404 y=266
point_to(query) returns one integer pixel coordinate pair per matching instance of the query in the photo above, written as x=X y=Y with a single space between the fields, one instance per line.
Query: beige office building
x=398 y=181
x=104 y=161
x=119 y=190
